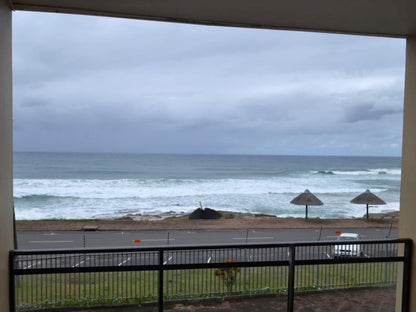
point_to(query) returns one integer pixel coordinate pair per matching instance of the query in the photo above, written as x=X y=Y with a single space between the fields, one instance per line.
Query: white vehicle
x=347 y=250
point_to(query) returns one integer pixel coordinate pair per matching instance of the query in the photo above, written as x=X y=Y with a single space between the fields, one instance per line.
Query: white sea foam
x=115 y=198
x=380 y=171
x=92 y=197
x=117 y=189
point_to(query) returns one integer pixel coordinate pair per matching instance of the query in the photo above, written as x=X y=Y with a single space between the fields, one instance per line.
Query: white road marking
x=79 y=263
x=157 y=239
x=170 y=258
x=265 y=237
x=127 y=260
x=32 y=265
x=336 y=236
x=49 y=242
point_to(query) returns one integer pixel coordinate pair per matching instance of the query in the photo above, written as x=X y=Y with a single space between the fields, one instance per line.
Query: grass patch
x=87 y=289
x=182 y=218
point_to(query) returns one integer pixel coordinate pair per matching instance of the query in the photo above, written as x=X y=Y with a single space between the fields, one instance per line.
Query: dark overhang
x=393 y=18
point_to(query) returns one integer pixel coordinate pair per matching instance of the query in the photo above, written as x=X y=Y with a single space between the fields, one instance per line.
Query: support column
x=407 y=228
x=6 y=153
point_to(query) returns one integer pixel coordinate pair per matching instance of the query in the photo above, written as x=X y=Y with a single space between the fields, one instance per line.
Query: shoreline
x=227 y=221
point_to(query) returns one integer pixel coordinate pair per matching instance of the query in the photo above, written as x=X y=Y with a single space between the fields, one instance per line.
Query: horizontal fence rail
x=61 y=277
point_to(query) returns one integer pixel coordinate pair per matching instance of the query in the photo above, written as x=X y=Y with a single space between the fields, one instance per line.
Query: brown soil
x=378 y=299
x=368 y=299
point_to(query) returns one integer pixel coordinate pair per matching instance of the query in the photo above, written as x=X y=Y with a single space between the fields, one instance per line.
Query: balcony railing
x=54 y=278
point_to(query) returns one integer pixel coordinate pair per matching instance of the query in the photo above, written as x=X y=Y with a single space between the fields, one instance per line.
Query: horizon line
x=202 y=154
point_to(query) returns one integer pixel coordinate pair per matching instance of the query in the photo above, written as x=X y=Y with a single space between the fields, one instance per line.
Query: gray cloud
x=367 y=112
x=101 y=84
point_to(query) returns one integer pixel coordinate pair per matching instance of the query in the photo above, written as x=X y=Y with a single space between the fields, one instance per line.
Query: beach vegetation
x=177 y=218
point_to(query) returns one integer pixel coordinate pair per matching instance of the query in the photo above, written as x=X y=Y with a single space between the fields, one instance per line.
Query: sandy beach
x=227 y=221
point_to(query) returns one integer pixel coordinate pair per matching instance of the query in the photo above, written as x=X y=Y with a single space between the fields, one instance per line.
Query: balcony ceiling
x=395 y=18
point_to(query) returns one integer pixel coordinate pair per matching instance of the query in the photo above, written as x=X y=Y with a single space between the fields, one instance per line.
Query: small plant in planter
x=228 y=275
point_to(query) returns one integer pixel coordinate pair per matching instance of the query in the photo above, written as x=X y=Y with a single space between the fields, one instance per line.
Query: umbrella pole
x=306 y=212
x=367 y=211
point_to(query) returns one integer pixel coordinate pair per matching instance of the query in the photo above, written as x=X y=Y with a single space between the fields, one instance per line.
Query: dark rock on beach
x=206 y=213
x=196 y=214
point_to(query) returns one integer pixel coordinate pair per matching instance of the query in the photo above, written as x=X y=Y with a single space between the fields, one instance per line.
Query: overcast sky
x=92 y=84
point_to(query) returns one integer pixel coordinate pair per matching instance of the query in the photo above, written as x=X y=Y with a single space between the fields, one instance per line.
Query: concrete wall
x=6 y=170
x=407 y=225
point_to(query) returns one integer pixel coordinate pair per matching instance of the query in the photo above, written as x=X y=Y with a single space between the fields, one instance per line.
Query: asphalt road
x=81 y=239
x=87 y=239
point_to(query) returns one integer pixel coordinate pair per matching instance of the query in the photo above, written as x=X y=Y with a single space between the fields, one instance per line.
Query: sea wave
x=324 y=172
x=360 y=172
x=95 y=198
x=168 y=188
x=111 y=186
x=42 y=197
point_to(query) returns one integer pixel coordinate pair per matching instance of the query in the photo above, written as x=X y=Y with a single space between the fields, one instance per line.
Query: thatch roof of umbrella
x=307 y=199
x=368 y=198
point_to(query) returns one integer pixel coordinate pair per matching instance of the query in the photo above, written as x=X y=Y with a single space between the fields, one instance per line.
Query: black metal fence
x=80 y=277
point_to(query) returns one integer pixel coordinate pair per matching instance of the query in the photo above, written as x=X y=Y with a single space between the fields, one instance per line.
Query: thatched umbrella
x=307 y=199
x=368 y=198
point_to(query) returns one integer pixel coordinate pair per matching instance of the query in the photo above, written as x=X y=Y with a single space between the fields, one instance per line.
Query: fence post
x=406 y=276
x=160 y=282
x=317 y=275
x=12 y=288
x=245 y=273
x=291 y=286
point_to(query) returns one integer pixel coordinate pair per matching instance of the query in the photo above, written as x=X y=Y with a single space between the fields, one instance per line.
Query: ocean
x=87 y=186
